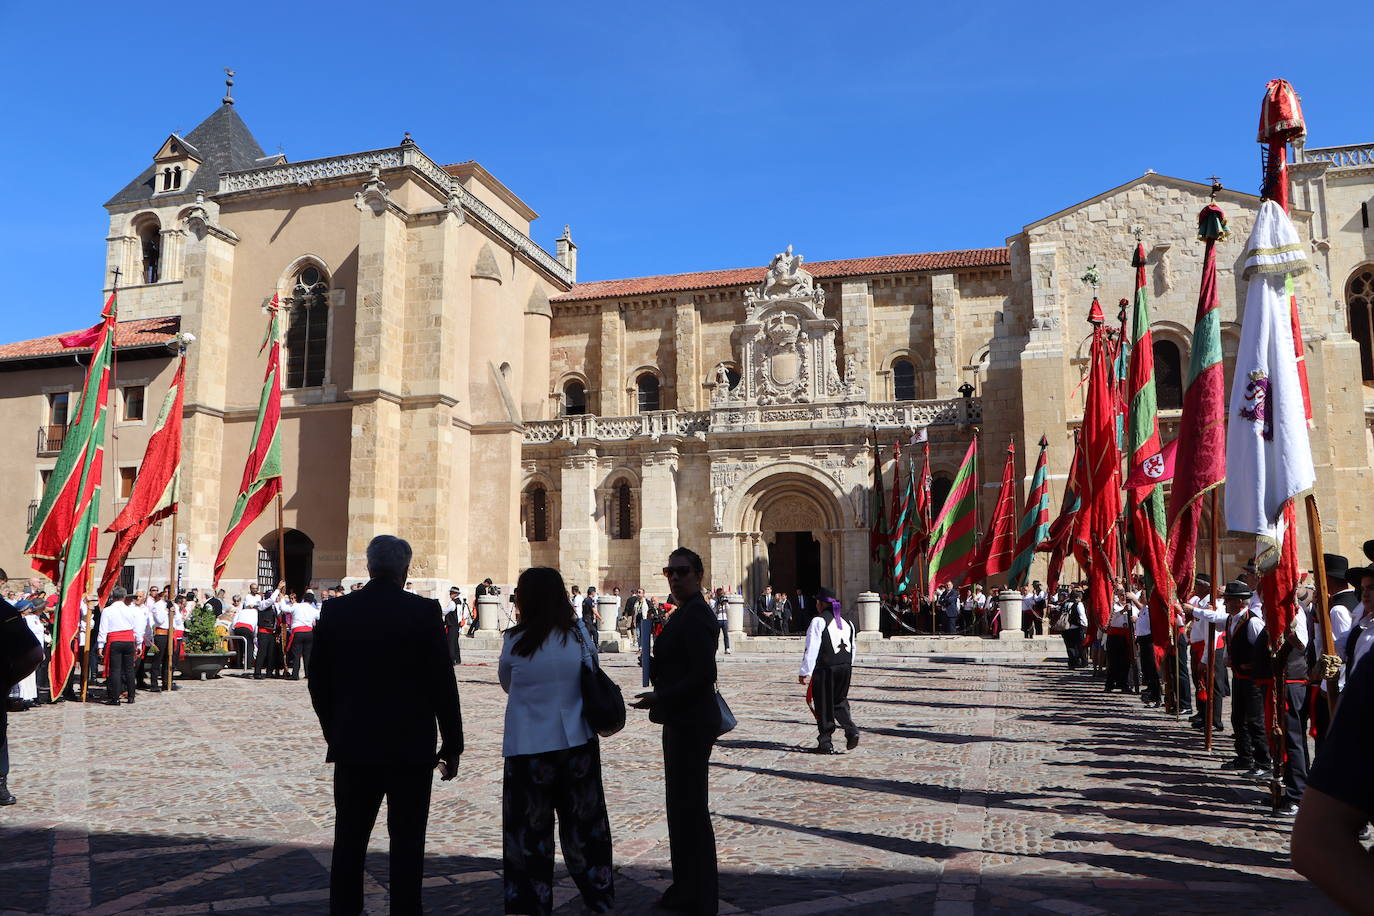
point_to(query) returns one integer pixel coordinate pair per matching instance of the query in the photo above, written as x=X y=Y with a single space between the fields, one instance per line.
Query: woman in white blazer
x=552 y=757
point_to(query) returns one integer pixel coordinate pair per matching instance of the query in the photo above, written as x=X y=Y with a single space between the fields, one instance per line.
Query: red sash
x=292 y=637
x=113 y=636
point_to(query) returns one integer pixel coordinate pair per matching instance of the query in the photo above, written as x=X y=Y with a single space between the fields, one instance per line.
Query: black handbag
x=603 y=705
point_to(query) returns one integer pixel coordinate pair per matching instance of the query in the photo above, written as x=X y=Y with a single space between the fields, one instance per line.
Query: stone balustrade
x=730 y=416
x=1342 y=157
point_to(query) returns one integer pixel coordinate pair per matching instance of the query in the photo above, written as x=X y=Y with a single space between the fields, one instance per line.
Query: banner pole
x=1211 y=648
x=1319 y=605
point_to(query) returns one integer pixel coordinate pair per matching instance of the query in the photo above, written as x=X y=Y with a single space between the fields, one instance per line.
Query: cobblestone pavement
x=979 y=786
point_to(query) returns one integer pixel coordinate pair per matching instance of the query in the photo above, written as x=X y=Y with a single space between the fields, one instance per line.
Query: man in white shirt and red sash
x=120 y=642
x=304 y=614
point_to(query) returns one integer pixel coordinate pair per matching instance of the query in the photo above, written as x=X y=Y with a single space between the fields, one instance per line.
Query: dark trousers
x=691 y=841
x=358 y=793
x=246 y=653
x=267 y=645
x=1247 y=719
x=300 y=650
x=1149 y=671
x=1218 y=691
x=158 y=664
x=1073 y=646
x=725 y=633
x=1181 y=679
x=121 y=677
x=830 y=694
x=1118 y=661
x=535 y=788
x=949 y=624
x=453 y=630
x=1322 y=717
x=1297 y=712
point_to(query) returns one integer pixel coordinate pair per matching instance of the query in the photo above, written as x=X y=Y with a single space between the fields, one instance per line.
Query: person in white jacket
x=827 y=667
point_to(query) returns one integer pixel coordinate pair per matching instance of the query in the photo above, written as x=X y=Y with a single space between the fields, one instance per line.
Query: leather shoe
x=6 y=796
x=851 y=742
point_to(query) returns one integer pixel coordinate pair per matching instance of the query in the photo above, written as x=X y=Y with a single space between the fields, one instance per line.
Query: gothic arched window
x=167 y=179
x=647 y=386
x=574 y=398
x=1359 y=299
x=1168 y=375
x=150 y=243
x=903 y=380
x=307 y=330
x=176 y=178
x=538 y=525
x=622 y=512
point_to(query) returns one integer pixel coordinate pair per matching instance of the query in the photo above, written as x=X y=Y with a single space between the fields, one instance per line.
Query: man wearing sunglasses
x=683 y=701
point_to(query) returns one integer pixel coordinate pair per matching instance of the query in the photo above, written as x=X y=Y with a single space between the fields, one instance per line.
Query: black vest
x=832 y=656
x=1247 y=656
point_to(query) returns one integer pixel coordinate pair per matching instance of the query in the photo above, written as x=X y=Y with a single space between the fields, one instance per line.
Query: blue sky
x=672 y=136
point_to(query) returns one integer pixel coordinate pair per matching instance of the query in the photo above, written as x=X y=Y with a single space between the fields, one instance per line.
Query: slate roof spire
x=224 y=144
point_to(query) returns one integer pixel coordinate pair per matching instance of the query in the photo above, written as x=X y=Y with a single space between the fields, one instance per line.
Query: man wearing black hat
x=1340 y=602
x=1361 y=637
x=1245 y=644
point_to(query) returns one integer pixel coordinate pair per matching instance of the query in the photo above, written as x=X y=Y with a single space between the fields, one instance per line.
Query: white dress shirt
x=841 y=635
x=304 y=614
x=246 y=616
x=120 y=616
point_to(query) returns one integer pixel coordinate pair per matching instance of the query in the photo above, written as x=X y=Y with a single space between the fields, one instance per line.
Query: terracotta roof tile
x=144 y=332
x=821 y=270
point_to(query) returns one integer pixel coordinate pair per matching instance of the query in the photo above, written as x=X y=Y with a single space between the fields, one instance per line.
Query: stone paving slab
x=983 y=784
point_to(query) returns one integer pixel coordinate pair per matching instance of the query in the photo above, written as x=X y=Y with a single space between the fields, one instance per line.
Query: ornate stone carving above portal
x=789 y=344
x=792 y=513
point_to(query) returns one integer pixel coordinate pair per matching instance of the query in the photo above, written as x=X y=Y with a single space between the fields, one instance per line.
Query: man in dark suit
x=381 y=747
x=683 y=701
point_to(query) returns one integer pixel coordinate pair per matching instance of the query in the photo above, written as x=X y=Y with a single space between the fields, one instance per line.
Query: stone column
x=606 y=632
x=206 y=310
x=579 y=540
x=854 y=322
x=1009 y=603
x=870 y=614
x=944 y=314
x=610 y=372
x=734 y=616
x=488 y=615
x=686 y=370
x=658 y=531
x=378 y=360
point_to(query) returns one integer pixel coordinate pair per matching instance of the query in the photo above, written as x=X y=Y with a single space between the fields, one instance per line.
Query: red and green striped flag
x=1035 y=522
x=953 y=538
x=156 y=488
x=65 y=530
x=999 y=542
x=262 y=472
x=898 y=527
x=1146 y=504
x=1200 y=464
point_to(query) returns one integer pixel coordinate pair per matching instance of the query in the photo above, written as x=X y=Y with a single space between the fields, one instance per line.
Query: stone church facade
x=450 y=380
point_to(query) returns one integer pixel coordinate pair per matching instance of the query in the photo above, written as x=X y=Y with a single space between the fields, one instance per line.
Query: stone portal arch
x=786 y=525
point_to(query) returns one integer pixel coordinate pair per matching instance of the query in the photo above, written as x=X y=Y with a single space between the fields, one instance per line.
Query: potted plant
x=204 y=656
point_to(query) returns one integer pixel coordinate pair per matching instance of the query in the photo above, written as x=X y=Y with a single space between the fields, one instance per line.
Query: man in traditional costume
x=827 y=665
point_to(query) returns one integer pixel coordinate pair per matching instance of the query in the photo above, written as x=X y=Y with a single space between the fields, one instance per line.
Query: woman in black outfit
x=683 y=701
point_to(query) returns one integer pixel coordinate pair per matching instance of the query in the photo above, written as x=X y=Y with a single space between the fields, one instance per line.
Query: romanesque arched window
x=574 y=398
x=307 y=330
x=150 y=246
x=1168 y=375
x=176 y=178
x=167 y=179
x=647 y=386
x=939 y=491
x=903 y=380
x=622 y=511
x=537 y=522
x=1359 y=301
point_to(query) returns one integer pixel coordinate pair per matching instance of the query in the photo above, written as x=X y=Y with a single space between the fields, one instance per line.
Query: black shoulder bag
x=603 y=705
